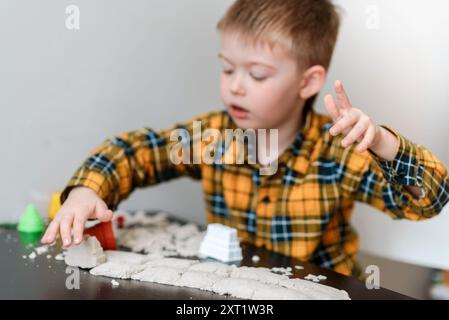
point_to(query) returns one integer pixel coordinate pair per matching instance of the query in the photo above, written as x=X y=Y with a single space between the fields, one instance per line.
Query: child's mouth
x=238 y=112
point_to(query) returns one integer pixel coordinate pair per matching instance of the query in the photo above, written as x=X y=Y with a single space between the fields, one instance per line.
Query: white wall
x=153 y=62
x=62 y=92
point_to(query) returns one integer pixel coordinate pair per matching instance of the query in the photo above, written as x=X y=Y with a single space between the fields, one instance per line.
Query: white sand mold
x=172 y=263
x=199 y=280
x=242 y=282
x=162 y=275
x=263 y=275
x=119 y=270
x=272 y=292
x=126 y=257
x=162 y=239
x=239 y=288
x=221 y=243
x=214 y=267
x=315 y=291
x=87 y=254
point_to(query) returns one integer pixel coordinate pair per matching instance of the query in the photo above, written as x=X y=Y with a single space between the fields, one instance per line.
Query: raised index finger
x=331 y=107
x=342 y=97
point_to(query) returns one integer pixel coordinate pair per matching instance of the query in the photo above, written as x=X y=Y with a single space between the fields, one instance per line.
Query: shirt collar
x=296 y=156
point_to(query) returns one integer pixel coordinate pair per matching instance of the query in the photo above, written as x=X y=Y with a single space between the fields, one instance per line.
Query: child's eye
x=257 y=78
x=227 y=71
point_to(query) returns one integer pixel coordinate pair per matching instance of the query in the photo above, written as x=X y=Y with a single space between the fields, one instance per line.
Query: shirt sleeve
x=381 y=182
x=138 y=159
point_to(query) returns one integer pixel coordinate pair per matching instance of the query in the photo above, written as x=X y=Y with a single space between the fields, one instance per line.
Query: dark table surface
x=45 y=278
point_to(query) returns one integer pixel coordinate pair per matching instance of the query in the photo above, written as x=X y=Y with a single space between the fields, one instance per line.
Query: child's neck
x=287 y=133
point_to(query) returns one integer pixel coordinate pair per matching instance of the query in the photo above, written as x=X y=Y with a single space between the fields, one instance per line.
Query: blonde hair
x=307 y=28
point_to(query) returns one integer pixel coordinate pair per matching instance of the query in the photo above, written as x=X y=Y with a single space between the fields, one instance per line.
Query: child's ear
x=312 y=81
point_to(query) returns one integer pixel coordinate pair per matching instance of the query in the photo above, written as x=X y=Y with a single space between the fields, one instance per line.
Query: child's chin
x=245 y=124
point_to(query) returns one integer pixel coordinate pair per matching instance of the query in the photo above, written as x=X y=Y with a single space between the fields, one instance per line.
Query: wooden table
x=45 y=278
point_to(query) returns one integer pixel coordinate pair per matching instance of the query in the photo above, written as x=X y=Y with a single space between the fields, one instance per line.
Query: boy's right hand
x=81 y=204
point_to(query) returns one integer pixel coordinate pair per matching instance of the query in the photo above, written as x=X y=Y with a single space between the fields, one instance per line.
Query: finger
x=331 y=107
x=51 y=232
x=356 y=132
x=367 y=140
x=78 y=229
x=342 y=97
x=102 y=212
x=106 y=216
x=66 y=229
x=344 y=123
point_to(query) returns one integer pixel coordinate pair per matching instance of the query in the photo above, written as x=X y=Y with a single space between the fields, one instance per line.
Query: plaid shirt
x=302 y=210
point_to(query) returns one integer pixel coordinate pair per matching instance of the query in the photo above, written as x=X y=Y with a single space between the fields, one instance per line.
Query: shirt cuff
x=406 y=168
x=93 y=180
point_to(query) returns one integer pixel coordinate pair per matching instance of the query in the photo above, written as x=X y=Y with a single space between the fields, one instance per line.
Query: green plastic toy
x=31 y=221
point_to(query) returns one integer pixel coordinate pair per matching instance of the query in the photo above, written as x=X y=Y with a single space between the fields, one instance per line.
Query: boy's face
x=259 y=86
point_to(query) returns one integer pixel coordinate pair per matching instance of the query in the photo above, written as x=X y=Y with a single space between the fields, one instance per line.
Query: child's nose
x=237 y=87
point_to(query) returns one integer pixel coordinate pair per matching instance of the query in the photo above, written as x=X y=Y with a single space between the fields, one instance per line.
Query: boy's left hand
x=357 y=126
x=351 y=122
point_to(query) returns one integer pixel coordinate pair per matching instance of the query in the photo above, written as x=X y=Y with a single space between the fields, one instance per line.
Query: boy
x=275 y=55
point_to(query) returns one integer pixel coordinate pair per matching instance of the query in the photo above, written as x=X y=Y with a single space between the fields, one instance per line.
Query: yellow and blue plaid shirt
x=302 y=210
